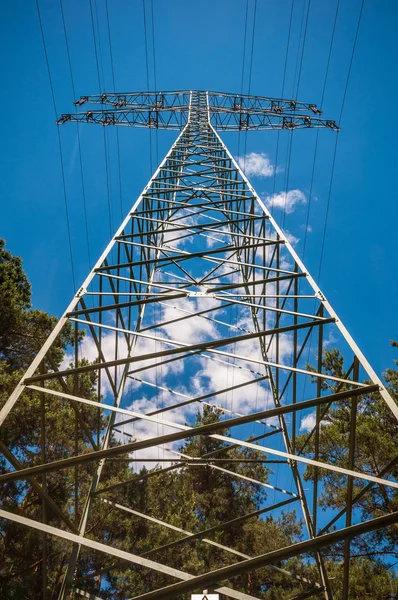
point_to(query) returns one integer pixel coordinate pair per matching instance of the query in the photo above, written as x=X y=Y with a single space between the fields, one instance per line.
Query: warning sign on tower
x=205 y=596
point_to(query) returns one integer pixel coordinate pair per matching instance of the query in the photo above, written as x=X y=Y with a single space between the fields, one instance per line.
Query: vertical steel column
x=105 y=443
x=310 y=522
x=44 y=486
x=350 y=485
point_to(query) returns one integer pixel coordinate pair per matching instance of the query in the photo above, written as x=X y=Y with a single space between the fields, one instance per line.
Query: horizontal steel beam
x=180 y=100
x=187 y=432
x=210 y=346
x=197 y=398
x=252 y=564
x=182 y=256
x=218 y=527
x=207 y=346
x=200 y=536
x=110 y=550
x=170 y=118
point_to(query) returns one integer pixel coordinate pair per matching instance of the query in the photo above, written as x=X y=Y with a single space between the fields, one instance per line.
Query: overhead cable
x=303 y=49
x=154 y=75
x=114 y=89
x=95 y=45
x=147 y=81
x=101 y=61
x=243 y=66
x=297 y=93
x=250 y=71
x=98 y=61
x=78 y=136
x=282 y=96
x=337 y=137
x=317 y=133
x=59 y=144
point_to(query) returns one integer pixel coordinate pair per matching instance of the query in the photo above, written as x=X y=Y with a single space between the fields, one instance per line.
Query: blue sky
x=199 y=45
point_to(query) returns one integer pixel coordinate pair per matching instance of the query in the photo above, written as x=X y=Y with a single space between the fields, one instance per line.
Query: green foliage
x=369 y=580
x=376 y=440
x=192 y=498
x=15 y=297
x=22 y=333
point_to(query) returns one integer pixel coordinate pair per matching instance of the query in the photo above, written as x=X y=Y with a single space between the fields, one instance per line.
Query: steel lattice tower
x=200 y=250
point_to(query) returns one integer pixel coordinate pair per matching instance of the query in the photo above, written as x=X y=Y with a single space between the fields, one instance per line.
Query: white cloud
x=308 y=422
x=288 y=201
x=330 y=339
x=256 y=165
x=177 y=239
x=216 y=375
x=88 y=350
x=212 y=239
x=224 y=273
x=144 y=347
x=204 y=374
x=143 y=429
x=291 y=238
x=194 y=328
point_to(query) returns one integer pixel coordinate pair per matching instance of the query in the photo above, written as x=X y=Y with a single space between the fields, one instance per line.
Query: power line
x=250 y=70
x=287 y=49
x=252 y=46
x=244 y=48
x=337 y=137
x=107 y=174
x=101 y=61
x=119 y=168
x=317 y=133
x=59 y=143
x=297 y=91
x=282 y=95
x=351 y=61
x=78 y=136
x=310 y=195
x=288 y=162
x=110 y=44
x=330 y=53
x=243 y=67
x=97 y=61
x=95 y=45
x=303 y=48
x=298 y=49
x=153 y=47
x=154 y=75
x=147 y=81
x=114 y=89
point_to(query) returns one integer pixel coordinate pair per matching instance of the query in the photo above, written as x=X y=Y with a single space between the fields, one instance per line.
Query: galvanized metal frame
x=199 y=195
x=227 y=112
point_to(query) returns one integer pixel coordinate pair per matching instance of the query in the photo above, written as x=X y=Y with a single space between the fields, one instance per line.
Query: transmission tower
x=199 y=252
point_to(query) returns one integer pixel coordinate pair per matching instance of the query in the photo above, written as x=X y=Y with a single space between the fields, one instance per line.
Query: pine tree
x=187 y=497
x=376 y=447
x=22 y=332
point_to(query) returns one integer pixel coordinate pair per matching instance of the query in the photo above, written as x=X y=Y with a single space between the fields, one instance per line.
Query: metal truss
x=227 y=112
x=199 y=281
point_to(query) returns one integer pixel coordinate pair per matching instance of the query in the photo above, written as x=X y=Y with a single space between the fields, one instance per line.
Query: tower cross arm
x=218 y=101
x=170 y=110
x=178 y=100
x=141 y=116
